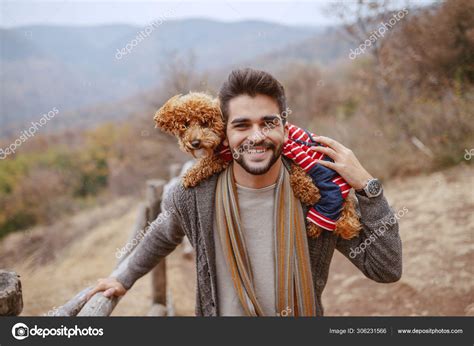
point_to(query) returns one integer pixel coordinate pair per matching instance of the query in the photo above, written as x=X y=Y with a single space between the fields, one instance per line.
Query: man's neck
x=244 y=178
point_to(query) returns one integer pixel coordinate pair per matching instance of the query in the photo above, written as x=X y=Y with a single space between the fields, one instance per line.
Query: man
x=253 y=257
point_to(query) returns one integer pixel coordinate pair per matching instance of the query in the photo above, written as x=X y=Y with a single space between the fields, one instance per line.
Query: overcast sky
x=86 y=12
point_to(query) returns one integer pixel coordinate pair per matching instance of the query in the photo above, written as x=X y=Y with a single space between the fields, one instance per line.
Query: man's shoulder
x=181 y=195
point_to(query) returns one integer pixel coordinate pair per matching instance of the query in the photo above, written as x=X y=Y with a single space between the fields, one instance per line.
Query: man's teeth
x=256 y=151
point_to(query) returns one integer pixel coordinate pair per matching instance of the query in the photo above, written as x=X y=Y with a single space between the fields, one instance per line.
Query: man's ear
x=225 y=141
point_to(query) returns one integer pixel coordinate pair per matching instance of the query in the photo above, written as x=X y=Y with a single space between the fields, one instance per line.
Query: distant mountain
x=42 y=67
x=324 y=48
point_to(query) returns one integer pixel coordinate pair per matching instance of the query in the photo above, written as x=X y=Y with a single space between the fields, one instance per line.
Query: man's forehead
x=253 y=108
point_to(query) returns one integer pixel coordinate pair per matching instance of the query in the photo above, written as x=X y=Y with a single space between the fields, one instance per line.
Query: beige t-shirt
x=256 y=212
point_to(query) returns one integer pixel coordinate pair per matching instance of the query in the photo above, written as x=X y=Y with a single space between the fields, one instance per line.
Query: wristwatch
x=372 y=188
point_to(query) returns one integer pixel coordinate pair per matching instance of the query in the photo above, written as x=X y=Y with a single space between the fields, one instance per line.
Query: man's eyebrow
x=239 y=120
x=270 y=117
x=244 y=120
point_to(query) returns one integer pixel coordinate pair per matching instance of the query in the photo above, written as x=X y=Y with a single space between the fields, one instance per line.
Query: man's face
x=255 y=133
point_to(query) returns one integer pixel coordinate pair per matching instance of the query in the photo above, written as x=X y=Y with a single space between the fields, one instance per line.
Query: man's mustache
x=245 y=146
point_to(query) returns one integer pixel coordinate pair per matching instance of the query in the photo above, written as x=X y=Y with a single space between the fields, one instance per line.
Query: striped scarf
x=293 y=279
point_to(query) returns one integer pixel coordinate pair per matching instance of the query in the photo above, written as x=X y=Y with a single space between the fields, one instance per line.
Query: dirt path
x=438 y=252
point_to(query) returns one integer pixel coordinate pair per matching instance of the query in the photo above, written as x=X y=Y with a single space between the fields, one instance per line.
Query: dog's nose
x=196 y=143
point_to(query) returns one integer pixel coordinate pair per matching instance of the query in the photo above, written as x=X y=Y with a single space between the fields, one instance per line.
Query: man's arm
x=377 y=251
x=164 y=234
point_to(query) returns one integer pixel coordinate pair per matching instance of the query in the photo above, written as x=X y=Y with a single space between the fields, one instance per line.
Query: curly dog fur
x=196 y=120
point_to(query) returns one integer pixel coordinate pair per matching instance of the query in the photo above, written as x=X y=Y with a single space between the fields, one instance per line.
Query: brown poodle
x=196 y=120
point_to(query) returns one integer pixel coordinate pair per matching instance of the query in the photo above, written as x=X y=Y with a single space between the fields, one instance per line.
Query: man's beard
x=276 y=153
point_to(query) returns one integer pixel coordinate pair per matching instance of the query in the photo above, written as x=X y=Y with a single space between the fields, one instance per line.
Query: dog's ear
x=216 y=117
x=217 y=104
x=164 y=118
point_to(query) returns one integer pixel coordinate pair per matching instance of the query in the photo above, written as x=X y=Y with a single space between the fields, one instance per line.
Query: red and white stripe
x=306 y=158
x=321 y=220
x=343 y=185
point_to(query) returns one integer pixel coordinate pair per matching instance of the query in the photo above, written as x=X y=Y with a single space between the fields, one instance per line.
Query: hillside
x=77 y=67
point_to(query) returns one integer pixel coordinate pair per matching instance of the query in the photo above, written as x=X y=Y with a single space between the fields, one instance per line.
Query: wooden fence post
x=11 y=297
x=154 y=194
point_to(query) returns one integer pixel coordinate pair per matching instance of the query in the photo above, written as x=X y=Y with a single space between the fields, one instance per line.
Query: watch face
x=374 y=187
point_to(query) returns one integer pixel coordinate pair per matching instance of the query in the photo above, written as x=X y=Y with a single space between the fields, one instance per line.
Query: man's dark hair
x=251 y=82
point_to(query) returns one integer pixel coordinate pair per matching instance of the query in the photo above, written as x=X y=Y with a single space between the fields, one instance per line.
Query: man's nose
x=257 y=134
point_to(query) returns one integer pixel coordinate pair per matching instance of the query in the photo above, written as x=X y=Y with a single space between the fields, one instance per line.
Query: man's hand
x=345 y=162
x=110 y=286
